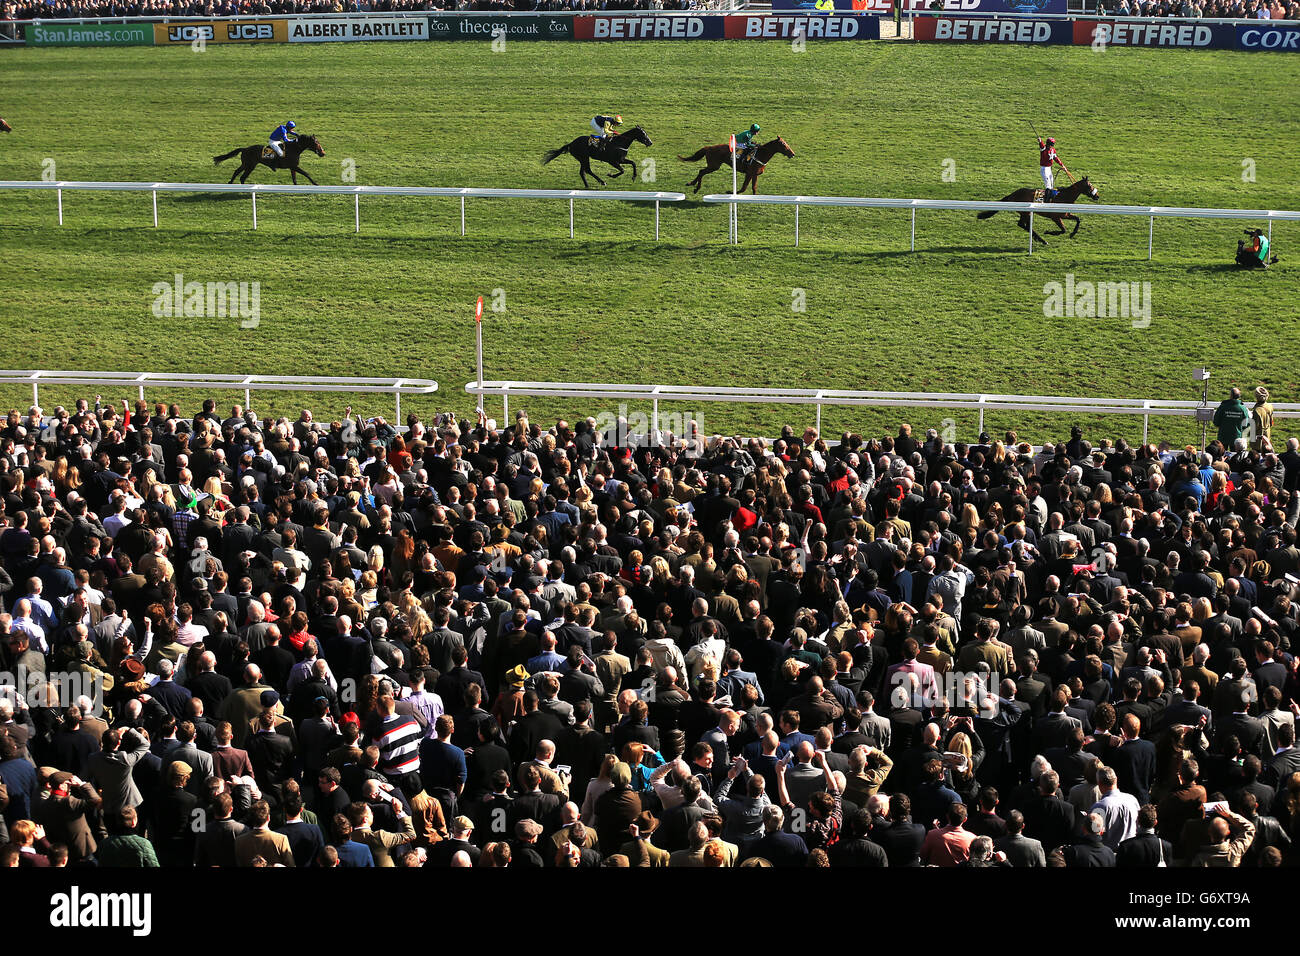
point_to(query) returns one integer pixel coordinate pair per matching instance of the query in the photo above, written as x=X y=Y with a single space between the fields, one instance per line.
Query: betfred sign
x=1185 y=35
x=886 y=7
x=809 y=27
x=984 y=30
x=1274 y=38
x=633 y=27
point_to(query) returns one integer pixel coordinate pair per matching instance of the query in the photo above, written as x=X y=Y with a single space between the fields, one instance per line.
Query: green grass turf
x=965 y=312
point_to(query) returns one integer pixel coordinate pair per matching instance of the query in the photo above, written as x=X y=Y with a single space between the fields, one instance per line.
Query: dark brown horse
x=5 y=127
x=718 y=156
x=612 y=151
x=1067 y=195
x=251 y=156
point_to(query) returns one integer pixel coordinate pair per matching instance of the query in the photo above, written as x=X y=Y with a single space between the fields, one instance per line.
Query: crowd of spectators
x=231 y=641
x=1208 y=9
x=64 y=9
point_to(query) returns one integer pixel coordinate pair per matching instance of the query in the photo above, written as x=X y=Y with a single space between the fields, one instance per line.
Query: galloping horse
x=612 y=151
x=720 y=155
x=1067 y=195
x=251 y=156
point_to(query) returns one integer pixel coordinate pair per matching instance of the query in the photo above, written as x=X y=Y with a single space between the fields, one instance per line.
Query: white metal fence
x=397 y=387
x=819 y=397
x=1152 y=213
x=356 y=192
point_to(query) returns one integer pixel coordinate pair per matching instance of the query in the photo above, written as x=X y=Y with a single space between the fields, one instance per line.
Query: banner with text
x=486 y=26
x=99 y=34
x=1274 y=37
x=1199 y=36
x=810 y=27
x=729 y=27
x=984 y=30
x=222 y=31
x=353 y=29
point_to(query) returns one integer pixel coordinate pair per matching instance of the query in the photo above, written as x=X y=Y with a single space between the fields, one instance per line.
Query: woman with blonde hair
x=962 y=766
x=597 y=786
x=969 y=518
x=67 y=478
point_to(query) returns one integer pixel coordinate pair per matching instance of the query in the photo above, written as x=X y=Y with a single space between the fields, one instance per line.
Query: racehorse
x=5 y=127
x=720 y=155
x=1067 y=195
x=612 y=151
x=251 y=156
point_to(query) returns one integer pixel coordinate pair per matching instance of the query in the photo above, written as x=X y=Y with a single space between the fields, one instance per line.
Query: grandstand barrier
x=354 y=191
x=1152 y=213
x=951 y=401
x=397 y=387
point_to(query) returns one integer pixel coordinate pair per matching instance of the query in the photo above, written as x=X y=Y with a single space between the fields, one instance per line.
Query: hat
x=1261 y=394
x=133 y=667
x=528 y=829
x=646 y=822
x=270 y=698
x=462 y=823
x=516 y=676
x=351 y=718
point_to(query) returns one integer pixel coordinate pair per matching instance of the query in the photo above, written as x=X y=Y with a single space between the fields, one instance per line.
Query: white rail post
x=1151 y=236
x=155 y=209
x=462 y=215
x=505 y=403
x=570 y=217
x=914 y=229
x=248 y=399
x=982 y=397
x=356 y=212
x=397 y=394
x=1270 y=225
x=1031 y=232
x=60 y=192
x=1270 y=230
x=1146 y=422
x=656 y=411
x=254 y=195
x=818 y=397
x=796 y=225
x=36 y=391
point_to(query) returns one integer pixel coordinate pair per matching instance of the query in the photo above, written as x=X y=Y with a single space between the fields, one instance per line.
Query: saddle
x=268 y=153
x=1038 y=195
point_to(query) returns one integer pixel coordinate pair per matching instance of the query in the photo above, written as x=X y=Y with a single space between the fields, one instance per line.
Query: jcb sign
x=245 y=31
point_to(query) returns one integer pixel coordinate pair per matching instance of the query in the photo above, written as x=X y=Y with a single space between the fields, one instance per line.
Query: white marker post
x=732 y=222
x=478 y=336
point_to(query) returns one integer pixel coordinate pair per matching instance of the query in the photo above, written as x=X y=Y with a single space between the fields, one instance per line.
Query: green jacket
x=1230 y=418
x=128 y=851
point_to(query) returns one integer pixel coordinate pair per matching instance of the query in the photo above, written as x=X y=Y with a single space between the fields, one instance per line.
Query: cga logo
x=188 y=34
x=439 y=26
x=250 y=31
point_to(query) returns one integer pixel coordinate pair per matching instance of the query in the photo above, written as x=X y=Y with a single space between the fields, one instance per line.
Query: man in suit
x=1146 y=849
x=1134 y=760
x=188 y=751
x=1048 y=818
x=1056 y=727
x=901 y=839
x=1248 y=730
x=1019 y=849
x=779 y=848
x=260 y=840
x=110 y=770
x=1032 y=688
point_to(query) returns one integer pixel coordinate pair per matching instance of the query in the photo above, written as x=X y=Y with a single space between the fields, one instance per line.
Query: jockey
x=1046 y=158
x=283 y=134
x=604 y=127
x=745 y=144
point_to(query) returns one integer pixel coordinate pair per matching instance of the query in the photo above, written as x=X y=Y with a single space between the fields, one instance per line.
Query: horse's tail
x=551 y=154
x=698 y=155
x=216 y=160
x=990 y=213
